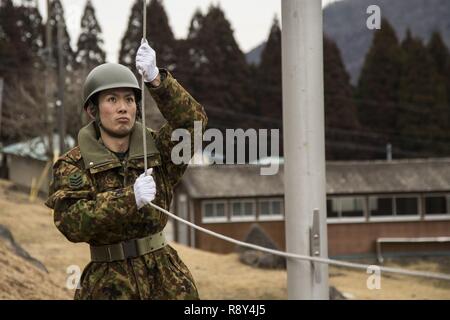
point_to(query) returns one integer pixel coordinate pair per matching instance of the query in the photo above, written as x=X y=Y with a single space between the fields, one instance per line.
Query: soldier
x=99 y=192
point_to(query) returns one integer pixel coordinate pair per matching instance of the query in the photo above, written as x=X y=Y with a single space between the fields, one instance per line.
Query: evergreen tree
x=160 y=35
x=340 y=109
x=423 y=120
x=377 y=90
x=441 y=59
x=20 y=67
x=187 y=60
x=268 y=85
x=89 y=48
x=219 y=75
x=132 y=38
x=15 y=49
x=57 y=14
x=439 y=52
x=32 y=30
x=341 y=114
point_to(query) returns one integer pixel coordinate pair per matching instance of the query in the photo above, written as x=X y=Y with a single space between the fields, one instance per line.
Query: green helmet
x=109 y=76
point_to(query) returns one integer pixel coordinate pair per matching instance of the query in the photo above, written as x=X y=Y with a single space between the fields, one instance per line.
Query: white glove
x=146 y=62
x=144 y=189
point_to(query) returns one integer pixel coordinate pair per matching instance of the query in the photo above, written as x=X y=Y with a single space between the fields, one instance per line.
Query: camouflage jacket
x=93 y=199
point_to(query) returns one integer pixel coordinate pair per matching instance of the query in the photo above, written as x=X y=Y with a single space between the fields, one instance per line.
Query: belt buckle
x=129 y=249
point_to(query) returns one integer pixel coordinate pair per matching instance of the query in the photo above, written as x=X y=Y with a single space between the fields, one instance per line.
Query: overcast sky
x=250 y=19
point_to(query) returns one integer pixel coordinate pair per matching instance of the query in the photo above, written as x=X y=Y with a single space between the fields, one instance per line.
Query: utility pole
x=61 y=85
x=1 y=101
x=48 y=81
x=2 y=156
x=389 y=152
x=304 y=149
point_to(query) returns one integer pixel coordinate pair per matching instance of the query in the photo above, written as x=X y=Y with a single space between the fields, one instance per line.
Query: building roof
x=353 y=177
x=36 y=147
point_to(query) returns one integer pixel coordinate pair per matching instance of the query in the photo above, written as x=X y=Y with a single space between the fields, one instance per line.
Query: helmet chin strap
x=144 y=129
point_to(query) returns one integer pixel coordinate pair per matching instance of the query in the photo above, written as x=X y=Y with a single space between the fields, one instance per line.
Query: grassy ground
x=217 y=276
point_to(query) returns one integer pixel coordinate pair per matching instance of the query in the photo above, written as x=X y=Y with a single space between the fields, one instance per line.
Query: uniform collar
x=96 y=156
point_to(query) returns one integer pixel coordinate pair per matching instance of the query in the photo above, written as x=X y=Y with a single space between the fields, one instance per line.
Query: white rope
x=425 y=274
x=252 y=246
x=144 y=133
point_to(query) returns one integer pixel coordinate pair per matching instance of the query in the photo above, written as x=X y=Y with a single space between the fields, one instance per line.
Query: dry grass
x=217 y=276
x=21 y=280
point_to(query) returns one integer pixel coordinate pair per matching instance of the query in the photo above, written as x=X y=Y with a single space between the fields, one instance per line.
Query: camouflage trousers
x=159 y=275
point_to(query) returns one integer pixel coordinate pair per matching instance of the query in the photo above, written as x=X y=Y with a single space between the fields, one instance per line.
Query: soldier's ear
x=138 y=111
x=91 y=110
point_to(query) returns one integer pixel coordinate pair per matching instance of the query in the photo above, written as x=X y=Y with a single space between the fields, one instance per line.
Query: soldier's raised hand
x=144 y=189
x=146 y=62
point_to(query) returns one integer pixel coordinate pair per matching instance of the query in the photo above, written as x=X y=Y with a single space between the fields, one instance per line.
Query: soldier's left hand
x=146 y=62
x=144 y=189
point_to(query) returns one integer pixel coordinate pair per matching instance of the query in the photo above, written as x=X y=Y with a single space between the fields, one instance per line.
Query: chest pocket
x=136 y=166
x=109 y=180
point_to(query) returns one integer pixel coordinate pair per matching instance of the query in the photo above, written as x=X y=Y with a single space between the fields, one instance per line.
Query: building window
x=214 y=211
x=436 y=205
x=209 y=210
x=332 y=208
x=345 y=207
x=381 y=206
x=271 y=209
x=406 y=206
x=352 y=207
x=243 y=210
x=385 y=206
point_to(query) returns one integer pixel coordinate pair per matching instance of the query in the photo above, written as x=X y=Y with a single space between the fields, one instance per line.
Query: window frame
x=340 y=218
x=271 y=216
x=242 y=218
x=437 y=216
x=395 y=216
x=214 y=219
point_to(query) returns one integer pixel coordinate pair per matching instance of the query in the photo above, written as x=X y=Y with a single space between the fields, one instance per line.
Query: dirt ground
x=217 y=276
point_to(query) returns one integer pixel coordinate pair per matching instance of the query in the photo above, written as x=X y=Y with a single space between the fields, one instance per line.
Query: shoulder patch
x=76 y=180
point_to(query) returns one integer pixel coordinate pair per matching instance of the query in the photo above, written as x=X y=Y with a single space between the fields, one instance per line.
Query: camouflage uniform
x=93 y=200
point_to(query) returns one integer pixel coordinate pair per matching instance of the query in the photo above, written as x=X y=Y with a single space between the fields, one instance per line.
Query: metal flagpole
x=144 y=129
x=303 y=119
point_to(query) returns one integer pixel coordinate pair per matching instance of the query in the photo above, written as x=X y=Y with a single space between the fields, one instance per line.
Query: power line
x=380 y=135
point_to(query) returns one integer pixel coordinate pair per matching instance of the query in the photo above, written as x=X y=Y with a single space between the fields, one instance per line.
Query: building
x=28 y=161
x=366 y=200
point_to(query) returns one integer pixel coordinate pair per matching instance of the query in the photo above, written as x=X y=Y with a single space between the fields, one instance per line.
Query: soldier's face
x=117 y=109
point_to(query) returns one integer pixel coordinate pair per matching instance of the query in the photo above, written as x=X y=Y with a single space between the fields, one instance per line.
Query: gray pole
x=389 y=152
x=144 y=128
x=48 y=81
x=2 y=156
x=304 y=141
x=61 y=85
x=1 y=100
